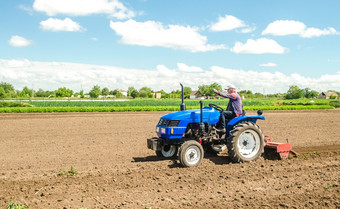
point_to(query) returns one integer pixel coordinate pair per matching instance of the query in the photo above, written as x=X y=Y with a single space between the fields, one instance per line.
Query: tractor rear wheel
x=191 y=153
x=245 y=143
x=168 y=151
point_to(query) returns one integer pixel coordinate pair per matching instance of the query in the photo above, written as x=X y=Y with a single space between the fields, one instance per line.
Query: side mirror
x=259 y=112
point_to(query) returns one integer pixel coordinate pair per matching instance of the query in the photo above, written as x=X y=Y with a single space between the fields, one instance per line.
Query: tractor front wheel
x=245 y=143
x=167 y=151
x=191 y=153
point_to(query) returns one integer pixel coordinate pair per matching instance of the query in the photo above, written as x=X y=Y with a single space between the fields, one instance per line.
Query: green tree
x=246 y=93
x=7 y=90
x=3 y=94
x=175 y=94
x=42 y=93
x=208 y=90
x=95 y=92
x=258 y=95
x=117 y=93
x=310 y=93
x=203 y=90
x=294 y=92
x=105 y=91
x=276 y=95
x=64 y=92
x=134 y=93
x=145 y=92
x=7 y=87
x=216 y=86
x=26 y=92
x=130 y=89
x=187 y=91
x=82 y=95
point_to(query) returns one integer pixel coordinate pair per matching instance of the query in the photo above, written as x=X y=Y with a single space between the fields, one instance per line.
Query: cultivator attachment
x=277 y=150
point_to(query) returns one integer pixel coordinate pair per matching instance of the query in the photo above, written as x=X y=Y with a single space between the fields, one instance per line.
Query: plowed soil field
x=114 y=168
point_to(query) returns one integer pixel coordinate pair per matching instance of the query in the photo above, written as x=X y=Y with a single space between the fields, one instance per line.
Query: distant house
x=196 y=95
x=124 y=93
x=328 y=95
x=157 y=95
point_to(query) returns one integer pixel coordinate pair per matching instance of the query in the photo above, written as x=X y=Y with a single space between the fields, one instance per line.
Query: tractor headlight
x=160 y=130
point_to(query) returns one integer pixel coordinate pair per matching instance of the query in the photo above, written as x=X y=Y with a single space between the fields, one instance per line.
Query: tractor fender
x=251 y=118
x=240 y=119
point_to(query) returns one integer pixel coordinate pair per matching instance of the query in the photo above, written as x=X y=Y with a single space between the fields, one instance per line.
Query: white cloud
x=52 y=75
x=29 y=10
x=226 y=23
x=315 y=32
x=188 y=69
x=151 y=33
x=55 y=24
x=248 y=29
x=229 y=22
x=274 y=82
x=292 y=27
x=18 y=41
x=259 y=46
x=285 y=27
x=269 y=64
x=166 y=72
x=113 y=8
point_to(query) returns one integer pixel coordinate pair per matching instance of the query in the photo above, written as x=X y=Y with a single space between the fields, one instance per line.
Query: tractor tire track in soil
x=116 y=170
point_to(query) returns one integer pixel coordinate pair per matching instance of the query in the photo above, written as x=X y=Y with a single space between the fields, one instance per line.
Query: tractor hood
x=173 y=125
x=210 y=116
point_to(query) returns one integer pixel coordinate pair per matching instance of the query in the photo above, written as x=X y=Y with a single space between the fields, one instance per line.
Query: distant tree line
x=7 y=91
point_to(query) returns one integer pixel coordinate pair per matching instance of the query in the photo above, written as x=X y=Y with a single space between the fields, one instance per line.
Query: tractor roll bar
x=182 y=105
x=201 y=118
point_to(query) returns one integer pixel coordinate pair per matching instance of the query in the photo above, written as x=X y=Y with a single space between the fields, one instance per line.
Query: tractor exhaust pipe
x=201 y=118
x=182 y=105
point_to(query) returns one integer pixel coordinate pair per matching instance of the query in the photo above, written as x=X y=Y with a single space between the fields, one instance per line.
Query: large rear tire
x=168 y=151
x=245 y=143
x=191 y=153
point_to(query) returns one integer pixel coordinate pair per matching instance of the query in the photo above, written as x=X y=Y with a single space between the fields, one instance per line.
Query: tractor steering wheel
x=216 y=107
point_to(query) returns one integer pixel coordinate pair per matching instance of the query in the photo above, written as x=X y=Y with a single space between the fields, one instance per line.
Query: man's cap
x=230 y=86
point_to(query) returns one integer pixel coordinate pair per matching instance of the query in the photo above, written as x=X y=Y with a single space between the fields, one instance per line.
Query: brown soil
x=116 y=170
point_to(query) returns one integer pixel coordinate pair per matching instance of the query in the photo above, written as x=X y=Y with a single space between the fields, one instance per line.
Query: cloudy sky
x=263 y=46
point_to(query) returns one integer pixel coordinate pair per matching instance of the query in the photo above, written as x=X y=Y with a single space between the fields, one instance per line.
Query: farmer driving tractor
x=234 y=108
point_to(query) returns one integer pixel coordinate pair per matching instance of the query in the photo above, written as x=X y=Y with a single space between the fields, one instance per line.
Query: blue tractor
x=190 y=133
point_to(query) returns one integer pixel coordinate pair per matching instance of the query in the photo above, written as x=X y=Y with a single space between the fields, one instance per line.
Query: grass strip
x=146 y=108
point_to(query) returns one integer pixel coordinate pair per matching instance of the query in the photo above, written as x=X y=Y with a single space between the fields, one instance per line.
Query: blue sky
x=261 y=45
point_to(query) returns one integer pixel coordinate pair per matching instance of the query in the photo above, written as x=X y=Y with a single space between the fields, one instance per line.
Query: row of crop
x=289 y=107
x=86 y=109
x=335 y=103
x=128 y=103
x=14 y=104
x=306 y=102
x=169 y=102
x=143 y=108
